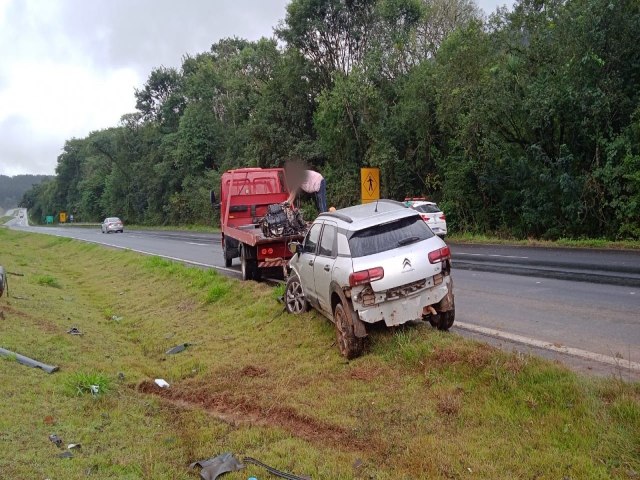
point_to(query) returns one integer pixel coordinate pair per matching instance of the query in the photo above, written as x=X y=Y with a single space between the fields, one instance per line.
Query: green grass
x=562 y=242
x=47 y=280
x=5 y=219
x=419 y=404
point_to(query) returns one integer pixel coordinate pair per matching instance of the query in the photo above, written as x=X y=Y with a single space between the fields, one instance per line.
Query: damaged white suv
x=371 y=263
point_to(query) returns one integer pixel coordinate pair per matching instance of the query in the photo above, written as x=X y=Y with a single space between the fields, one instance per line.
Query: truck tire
x=225 y=253
x=349 y=345
x=248 y=266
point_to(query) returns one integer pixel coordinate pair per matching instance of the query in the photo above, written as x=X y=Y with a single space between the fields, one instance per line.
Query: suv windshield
x=388 y=236
x=427 y=208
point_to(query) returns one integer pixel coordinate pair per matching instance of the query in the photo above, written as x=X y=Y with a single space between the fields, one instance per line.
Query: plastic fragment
x=56 y=439
x=95 y=389
x=71 y=446
x=177 y=349
x=216 y=466
x=74 y=331
x=162 y=383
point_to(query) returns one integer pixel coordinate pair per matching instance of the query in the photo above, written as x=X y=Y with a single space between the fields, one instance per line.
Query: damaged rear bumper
x=410 y=308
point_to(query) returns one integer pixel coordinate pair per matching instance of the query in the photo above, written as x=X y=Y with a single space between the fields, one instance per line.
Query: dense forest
x=524 y=123
x=13 y=188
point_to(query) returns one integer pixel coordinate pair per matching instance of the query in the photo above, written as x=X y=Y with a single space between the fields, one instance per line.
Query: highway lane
x=599 y=318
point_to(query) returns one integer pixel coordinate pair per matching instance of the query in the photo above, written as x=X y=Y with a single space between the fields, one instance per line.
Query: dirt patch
x=253 y=371
x=476 y=356
x=449 y=403
x=239 y=410
x=42 y=323
x=365 y=372
x=187 y=306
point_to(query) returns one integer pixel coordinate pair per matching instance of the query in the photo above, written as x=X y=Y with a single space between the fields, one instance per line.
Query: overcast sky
x=68 y=67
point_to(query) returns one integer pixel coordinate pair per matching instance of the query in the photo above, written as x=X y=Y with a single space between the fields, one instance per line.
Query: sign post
x=369 y=184
x=63 y=217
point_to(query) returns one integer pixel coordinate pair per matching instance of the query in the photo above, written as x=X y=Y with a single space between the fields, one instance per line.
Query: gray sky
x=69 y=67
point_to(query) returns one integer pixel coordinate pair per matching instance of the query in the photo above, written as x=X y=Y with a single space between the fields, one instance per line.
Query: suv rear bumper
x=405 y=309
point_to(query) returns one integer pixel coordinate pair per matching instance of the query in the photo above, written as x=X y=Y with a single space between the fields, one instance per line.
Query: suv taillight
x=439 y=255
x=366 y=276
x=443 y=217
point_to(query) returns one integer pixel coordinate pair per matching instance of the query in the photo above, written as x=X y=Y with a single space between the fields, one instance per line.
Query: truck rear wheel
x=248 y=266
x=225 y=253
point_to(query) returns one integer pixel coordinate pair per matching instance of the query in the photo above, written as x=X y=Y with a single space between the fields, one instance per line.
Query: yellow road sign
x=369 y=184
x=63 y=217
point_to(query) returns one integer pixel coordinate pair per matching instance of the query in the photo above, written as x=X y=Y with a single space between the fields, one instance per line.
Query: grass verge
x=254 y=381
x=531 y=242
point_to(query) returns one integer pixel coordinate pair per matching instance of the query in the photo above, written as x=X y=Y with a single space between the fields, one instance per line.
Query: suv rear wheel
x=349 y=345
x=446 y=319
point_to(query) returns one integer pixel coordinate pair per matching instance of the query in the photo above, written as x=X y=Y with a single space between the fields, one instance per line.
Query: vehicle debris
x=116 y=318
x=161 y=383
x=216 y=466
x=28 y=361
x=4 y=285
x=178 y=348
x=56 y=439
x=95 y=389
x=74 y=331
x=71 y=446
x=273 y=471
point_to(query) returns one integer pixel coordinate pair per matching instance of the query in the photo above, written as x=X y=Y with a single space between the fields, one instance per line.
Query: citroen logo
x=406 y=263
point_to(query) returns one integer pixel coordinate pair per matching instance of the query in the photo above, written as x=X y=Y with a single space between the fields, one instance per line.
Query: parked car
x=112 y=224
x=377 y=262
x=430 y=213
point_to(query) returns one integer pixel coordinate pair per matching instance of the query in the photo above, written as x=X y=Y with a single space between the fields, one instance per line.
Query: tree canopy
x=525 y=123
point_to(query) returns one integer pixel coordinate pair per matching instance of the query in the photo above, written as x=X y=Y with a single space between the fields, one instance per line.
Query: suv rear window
x=388 y=236
x=427 y=208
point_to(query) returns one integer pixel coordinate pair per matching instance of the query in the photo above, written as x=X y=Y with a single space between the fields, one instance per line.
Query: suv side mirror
x=295 y=247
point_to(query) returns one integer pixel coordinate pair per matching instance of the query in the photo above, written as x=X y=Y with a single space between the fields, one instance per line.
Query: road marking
x=199 y=244
x=486 y=255
x=576 y=352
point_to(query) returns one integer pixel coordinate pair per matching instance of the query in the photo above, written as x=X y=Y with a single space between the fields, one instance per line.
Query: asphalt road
x=524 y=307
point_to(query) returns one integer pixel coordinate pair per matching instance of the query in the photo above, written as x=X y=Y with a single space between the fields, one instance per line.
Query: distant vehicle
x=377 y=262
x=112 y=224
x=22 y=215
x=430 y=213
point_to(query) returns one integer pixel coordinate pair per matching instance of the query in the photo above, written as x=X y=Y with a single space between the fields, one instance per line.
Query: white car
x=377 y=262
x=430 y=213
x=112 y=224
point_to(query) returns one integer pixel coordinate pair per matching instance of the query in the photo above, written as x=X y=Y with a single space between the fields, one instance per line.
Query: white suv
x=377 y=262
x=430 y=213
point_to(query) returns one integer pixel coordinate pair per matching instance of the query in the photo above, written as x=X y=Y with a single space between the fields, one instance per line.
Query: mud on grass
x=419 y=404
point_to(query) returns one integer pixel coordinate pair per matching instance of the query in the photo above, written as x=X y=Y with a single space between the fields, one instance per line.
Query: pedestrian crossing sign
x=369 y=184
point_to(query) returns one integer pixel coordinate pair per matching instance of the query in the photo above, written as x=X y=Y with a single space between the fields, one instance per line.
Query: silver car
x=112 y=224
x=377 y=262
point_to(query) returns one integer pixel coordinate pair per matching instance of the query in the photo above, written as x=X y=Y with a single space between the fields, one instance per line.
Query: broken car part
x=161 y=382
x=28 y=361
x=56 y=439
x=177 y=349
x=216 y=466
x=74 y=331
x=273 y=471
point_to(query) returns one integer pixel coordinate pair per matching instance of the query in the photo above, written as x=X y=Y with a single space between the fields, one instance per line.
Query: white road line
x=199 y=244
x=576 y=352
x=486 y=255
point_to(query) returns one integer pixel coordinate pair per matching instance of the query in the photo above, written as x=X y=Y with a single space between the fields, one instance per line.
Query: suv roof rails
x=341 y=216
x=392 y=202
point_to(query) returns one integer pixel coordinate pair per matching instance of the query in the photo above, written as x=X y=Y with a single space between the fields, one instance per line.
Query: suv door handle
x=310 y=262
x=327 y=268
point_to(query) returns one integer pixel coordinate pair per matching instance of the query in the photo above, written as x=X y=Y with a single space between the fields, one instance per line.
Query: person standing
x=313 y=183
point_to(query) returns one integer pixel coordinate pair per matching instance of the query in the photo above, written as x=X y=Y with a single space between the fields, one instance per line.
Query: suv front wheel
x=349 y=345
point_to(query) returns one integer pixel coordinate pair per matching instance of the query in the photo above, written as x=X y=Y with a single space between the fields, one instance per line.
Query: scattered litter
x=358 y=463
x=161 y=383
x=116 y=318
x=177 y=349
x=71 y=446
x=56 y=439
x=27 y=361
x=74 y=331
x=273 y=471
x=216 y=466
x=65 y=454
x=95 y=389
x=121 y=376
x=252 y=478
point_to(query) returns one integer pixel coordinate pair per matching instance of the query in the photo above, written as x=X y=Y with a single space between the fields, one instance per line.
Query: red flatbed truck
x=245 y=194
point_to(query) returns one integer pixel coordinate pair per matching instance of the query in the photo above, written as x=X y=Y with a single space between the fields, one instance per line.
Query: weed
x=80 y=383
x=278 y=291
x=217 y=292
x=47 y=281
